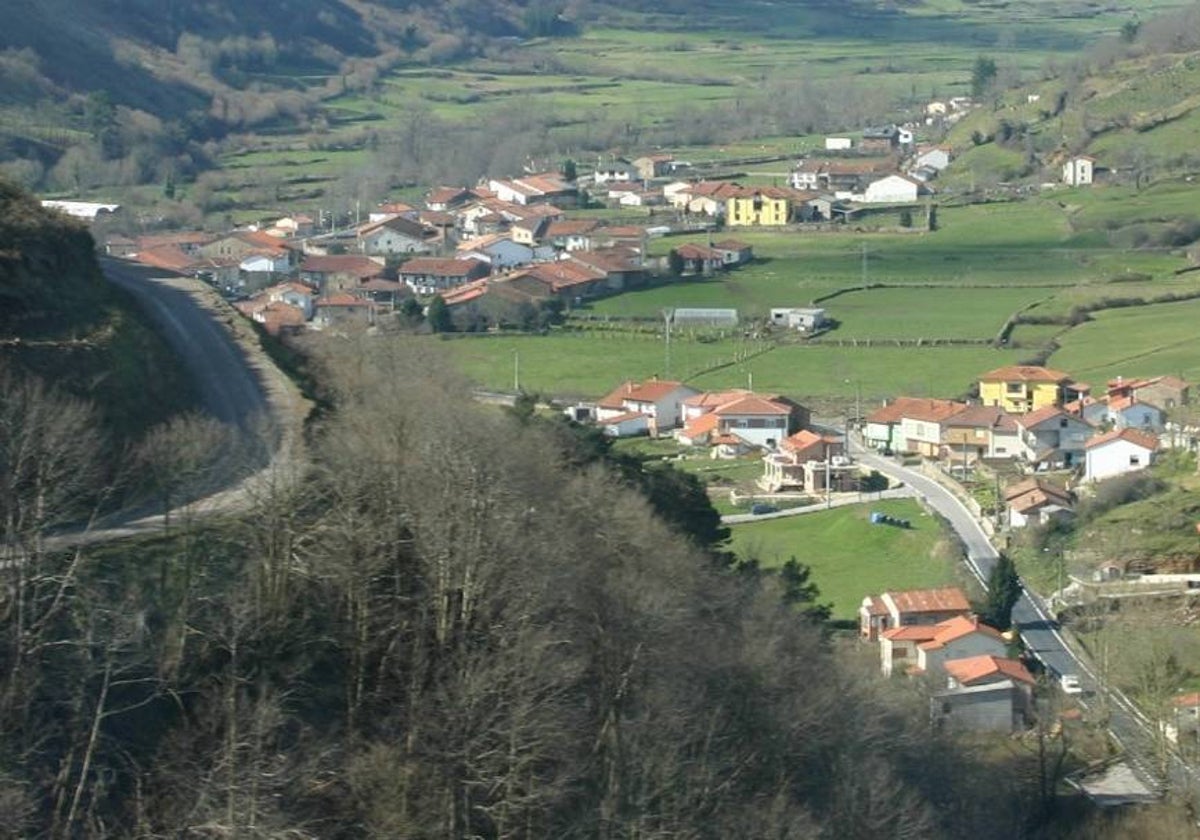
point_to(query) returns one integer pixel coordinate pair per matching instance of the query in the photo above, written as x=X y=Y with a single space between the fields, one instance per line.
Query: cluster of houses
x=730 y=424
x=1040 y=419
x=933 y=634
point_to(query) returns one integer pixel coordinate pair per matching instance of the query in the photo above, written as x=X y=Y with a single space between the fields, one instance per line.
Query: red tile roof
x=910 y=633
x=1045 y=414
x=942 y=599
x=170 y=257
x=652 y=390
x=355 y=264
x=1146 y=440
x=752 y=404
x=983 y=417
x=976 y=669
x=915 y=408
x=956 y=628
x=701 y=425
x=572 y=227
x=439 y=267
x=1024 y=373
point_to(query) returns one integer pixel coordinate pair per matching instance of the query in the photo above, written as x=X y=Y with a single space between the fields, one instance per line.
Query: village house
x=621 y=267
x=1127 y=413
x=617 y=171
x=762 y=206
x=978 y=432
x=921 y=425
x=936 y=158
x=501 y=252
x=1119 y=451
x=570 y=281
x=299 y=295
x=447 y=198
x=395 y=235
x=1053 y=438
x=298 y=225
x=757 y=421
x=572 y=234
x=385 y=294
x=544 y=188
x=342 y=309
x=1036 y=501
x=431 y=275
x=1022 y=388
x=654 y=166
x=809 y=461
x=1079 y=171
x=892 y=189
x=338 y=272
x=705 y=198
x=985 y=693
x=1165 y=392
x=734 y=252
x=925 y=648
x=660 y=400
x=275 y=317
x=698 y=259
x=910 y=607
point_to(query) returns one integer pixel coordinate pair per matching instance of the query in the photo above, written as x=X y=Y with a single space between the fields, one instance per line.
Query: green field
x=1140 y=341
x=850 y=557
x=590 y=365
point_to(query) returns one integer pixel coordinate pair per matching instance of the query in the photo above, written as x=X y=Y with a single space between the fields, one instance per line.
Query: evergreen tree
x=800 y=591
x=1004 y=588
x=438 y=315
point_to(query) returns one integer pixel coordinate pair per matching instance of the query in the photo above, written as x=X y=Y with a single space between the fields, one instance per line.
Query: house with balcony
x=908 y=608
x=1053 y=438
x=1019 y=389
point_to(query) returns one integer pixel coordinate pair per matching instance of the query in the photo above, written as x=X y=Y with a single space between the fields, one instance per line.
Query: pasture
x=849 y=557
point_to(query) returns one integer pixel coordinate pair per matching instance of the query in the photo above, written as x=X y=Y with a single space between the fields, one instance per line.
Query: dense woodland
x=457 y=621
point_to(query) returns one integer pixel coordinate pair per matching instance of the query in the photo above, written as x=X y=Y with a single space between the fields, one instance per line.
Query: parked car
x=760 y=508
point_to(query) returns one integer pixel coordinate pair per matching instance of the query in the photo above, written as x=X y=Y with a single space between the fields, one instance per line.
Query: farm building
x=805 y=319
x=697 y=317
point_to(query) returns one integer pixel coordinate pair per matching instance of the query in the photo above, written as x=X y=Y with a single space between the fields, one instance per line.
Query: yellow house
x=755 y=207
x=1023 y=388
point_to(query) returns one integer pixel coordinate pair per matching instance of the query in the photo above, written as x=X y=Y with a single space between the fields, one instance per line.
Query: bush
x=1120 y=490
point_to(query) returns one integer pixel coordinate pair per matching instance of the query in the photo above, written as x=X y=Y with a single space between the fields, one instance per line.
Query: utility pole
x=667 y=313
x=517 y=370
x=864 y=266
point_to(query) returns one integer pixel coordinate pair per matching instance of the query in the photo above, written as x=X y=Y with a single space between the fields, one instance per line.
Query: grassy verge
x=850 y=557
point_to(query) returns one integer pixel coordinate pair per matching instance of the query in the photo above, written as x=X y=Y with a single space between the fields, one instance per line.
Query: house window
x=1135 y=460
x=1062 y=423
x=1014 y=387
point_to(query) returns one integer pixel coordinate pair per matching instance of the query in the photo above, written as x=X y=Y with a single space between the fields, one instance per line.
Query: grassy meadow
x=850 y=557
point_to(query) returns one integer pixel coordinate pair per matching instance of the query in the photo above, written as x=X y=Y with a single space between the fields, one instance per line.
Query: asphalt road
x=229 y=389
x=1041 y=635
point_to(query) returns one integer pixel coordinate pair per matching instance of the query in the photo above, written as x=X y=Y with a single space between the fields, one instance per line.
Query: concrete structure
x=805 y=319
x=1052 y=437
x=1079 y=171
x=1022 y=388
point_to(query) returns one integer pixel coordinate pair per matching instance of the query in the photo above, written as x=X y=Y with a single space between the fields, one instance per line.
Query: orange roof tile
x=652 y=390
x=1146 y=440
x=955 y=628
x=976 y=669
x=910 y=633
x=1024 y=373
x=942 y=599
x=1041 y=415
x=702 y=425
x=751 y=404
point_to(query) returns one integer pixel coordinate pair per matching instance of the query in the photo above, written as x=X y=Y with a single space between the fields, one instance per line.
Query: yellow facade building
x=1020 y=389
x=759 y=207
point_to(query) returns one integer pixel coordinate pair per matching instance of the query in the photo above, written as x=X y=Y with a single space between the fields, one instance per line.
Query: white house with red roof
x=807 y=461
x=660 y=400
x=1119 y=451
x=910 y=607
x=1053 y=437
x=921 y=424
x=1036 y=500
x=958 y=638
x=892 y=189
x=294 y=294
x=757 y=421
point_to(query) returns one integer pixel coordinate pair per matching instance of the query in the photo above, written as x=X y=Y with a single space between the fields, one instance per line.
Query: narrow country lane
x=1040 y=631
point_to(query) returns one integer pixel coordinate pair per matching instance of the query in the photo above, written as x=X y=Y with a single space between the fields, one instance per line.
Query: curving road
x=1040 y=632
x=228 y=387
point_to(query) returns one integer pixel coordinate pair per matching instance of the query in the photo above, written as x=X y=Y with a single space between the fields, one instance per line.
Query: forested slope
x=461 y=622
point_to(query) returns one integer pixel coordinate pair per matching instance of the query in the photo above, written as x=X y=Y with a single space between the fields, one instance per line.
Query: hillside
x=62 y=323
x=1130 y=101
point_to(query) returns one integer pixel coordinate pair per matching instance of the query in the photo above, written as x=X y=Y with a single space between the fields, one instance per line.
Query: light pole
x=517 y=370
x=857 y=403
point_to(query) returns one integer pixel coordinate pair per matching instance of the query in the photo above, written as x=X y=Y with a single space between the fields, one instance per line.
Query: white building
x=1119 y=451
x=838 y=144
x=894 y=189
x=1077 y=172
x=806 y=319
